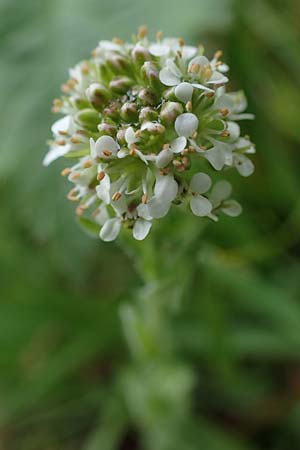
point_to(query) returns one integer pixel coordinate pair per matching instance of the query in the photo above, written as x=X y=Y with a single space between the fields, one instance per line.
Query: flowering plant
x=146 y=124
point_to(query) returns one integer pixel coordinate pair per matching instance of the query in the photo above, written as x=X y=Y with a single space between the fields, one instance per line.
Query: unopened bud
x=140 y=54
x=117 y=63
x=112 y=110
x=97 y=94
x=121 y=136
x=100 y=175
x=147 y=97
x=88 y=118
x=148 y=114
x=107 y=129
x=151 y=75
x=129 y=112
x=169 y=112
x=120 y=85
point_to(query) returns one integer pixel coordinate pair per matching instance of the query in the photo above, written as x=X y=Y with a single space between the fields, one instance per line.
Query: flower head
x=146 y=126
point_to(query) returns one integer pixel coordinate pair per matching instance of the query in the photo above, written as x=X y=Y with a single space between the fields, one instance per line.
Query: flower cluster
x=144 y=123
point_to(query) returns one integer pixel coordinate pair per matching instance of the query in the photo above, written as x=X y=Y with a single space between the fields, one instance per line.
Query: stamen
x=159 y=35
x=61 y=142
x=144 y=198
x=100 y=175
x=72 y=195
x=189 y=106
x=116 y=196
x=75 y=175
x=117 y=41
x=75 y=140
x=65 y=171
x=225 y=133
x=224 y=111
x=142 y=32
x=218 y=54
x=107 y=153
x=87 y=164
x=181 y=42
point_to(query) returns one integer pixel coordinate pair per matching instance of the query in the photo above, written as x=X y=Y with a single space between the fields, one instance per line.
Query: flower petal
x=201 y=86
x=55 y=153
x=141 y=229
x=163 y=158
x=105 y=143
x=65 y=124
x=220 y=191
x=143 y=211
x=178 y=144
x=200 y=183
x=216 y=157
x=157 y=207
x=200 y=206
x=168 y=78
x=130 y=137
x=110 y=229
x=232 y=208
x=186 y=124
x=159 y=49
x=199 y=60
x=165 y=188
x=244 y=165
x=184 y=91
x=103 y=189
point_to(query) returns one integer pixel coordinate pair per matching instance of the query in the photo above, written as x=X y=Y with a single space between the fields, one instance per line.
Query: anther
x=116 y=196
x=189 y=106
x=144 y=198
x=224 y=111
x=142 y=32
x=87 y=164
x=61 y=142
x=225 y=133
x=100 y=175
x=107 y=153
x=65 y=172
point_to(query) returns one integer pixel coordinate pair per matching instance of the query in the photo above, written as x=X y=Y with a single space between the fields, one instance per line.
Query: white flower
x=105 y=147
x=200 y=205
x=141 y=229
x=111 y=229
x=172 y=46
x=219 y=198
x=165 y=191
x=62 y=129
x=186 y=124
x=165 y=156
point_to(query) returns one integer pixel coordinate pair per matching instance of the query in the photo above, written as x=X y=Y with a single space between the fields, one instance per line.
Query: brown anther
x=142 y=32
x=181 y=42
x=85 y=68
x=55 y=109
x=166 y=146
x=75 y=175
x=65 y=172
x=176 y=163
x=75 y=140
x=224 y=112
x=62 y=132
x=144 y=198
x=192 y=149
x=57 y=102
x=100 y=175
x=72 y=195
x=107 y=153
x=218 y=63
x=179 y=54
x=117 y=41
x=72 y=83
x=132 y=151
x=189 y=106
x=218 y=54
x=61 y=142
x=164 y=171
x=185 y=151
x=87 y=164
x=79 y=210
x=225 y=133
x=185 y=161
x=195 y=134
x=65 y=88
x=116 y=196
x=94 y=53
x=138 y=133
x=209 y=94
x=159 y=35
x=194 y=68
x=180 y=168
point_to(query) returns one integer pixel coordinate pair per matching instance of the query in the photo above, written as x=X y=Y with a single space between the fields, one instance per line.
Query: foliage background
x=219 y=363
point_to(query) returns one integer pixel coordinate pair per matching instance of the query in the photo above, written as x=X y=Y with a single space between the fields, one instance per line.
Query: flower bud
x=147 y=114
x=80 y=103
x=129 y=112
x=121 y=136
x=117 y=63
x=169 y=112
x=112 y=110
x=152 y=133
x=169 y=94
x=107 y=129
x=140 y=54
x=120 y=85
x=147 y=97
x=151 y=75
x=88 y=118
x=97 y=94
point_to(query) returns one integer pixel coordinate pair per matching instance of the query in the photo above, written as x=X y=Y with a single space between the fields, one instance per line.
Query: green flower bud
x=169 y=94
x=148 y=114
x=107 y=129
x=147 y=97
x=98 y=95
x=81 y=103
x=112 y=110
x=129 y=112
x=140 y=54
x=120 y=85
x=121 y=136
x=169 y=112
x=117 y=63
x=151 y=133
x=151 y=75
x=88 y=118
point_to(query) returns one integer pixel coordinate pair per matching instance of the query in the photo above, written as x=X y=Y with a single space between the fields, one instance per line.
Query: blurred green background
x=219 y=363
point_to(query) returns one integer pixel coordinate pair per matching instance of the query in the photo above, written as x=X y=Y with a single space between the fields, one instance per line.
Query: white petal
x=217 y=78
x=55 y=153
x=157 y=207
x=199 y=60
x=123 y=153
x=184 y=92
x=244 y=165
x=140 y=229
x=188 y=51
x=234 y=131
x=159 y=49
x=200 y=183
x=225 y=101
x=200 y=206
x=216 y=157
x=168 y=78
x=106 y=143
x=110 y=230
x=141 y=156
x=65 y=125
x=130 y=137
x=178 y=144
x=103 y=189
x=220 y=191
x=143 y=211
x=102 y=216
x=232 y=208
x=93 y=148
x=163 y=158
x=165 y=188
x=204 y=88
x=186 y=124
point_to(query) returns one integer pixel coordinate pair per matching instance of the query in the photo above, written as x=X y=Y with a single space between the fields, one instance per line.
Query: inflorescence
x=143 y=123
